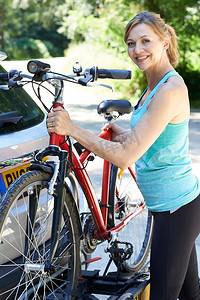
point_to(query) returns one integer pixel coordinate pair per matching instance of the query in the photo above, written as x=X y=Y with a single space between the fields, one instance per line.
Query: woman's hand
x=59 y=121
x=118 y=133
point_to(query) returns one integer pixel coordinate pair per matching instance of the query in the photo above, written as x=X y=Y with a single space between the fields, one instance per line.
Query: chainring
x=89 y=243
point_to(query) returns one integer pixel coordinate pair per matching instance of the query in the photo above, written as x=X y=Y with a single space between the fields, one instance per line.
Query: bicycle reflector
x=36 y=66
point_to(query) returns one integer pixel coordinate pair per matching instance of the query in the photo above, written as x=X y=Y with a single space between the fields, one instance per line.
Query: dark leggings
x=174 y=272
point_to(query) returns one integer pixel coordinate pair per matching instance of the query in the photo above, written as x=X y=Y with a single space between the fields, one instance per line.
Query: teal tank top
x=164 y=173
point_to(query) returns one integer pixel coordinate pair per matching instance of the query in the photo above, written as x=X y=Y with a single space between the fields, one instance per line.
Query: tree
x=184 y=16
x=44 y=28
x=30 y=28
x=5 y=6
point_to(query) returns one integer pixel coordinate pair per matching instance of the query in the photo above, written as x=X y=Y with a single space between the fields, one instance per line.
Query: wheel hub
x=37 y=268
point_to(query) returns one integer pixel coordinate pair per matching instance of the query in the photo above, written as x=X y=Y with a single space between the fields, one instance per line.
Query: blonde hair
x=164 y=31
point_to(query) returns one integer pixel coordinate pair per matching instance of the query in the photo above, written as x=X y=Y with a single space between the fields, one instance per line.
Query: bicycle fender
x=75 y=207
x=49 y=168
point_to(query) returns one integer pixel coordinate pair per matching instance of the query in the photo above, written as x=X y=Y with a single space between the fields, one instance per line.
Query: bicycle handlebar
x=41 y=72
x=4 y=77
x=114 y=74
x=92 y=74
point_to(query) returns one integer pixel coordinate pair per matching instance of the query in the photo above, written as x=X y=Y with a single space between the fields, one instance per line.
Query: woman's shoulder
x=173 y=93
x=173 y=89
x=174 y=83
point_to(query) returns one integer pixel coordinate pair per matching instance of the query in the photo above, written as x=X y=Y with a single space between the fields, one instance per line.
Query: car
x=22 y=131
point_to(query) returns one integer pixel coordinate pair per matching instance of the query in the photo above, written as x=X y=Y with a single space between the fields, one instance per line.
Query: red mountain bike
x=42 y=233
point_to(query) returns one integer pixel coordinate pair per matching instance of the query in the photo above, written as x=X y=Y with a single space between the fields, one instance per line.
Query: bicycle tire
x=17 y=281
x=138 y=231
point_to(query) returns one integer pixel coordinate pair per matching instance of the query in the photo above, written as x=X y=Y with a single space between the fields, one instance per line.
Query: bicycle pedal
x=120 y=250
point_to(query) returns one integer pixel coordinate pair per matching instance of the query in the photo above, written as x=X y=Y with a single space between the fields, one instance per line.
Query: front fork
x=59 y=197
x=58 y=192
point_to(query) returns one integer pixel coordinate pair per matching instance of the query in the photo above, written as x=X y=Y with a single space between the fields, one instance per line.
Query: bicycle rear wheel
x=24 y=257
x=126 y=198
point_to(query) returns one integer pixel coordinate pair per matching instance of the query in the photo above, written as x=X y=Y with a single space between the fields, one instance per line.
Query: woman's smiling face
x=145 y=47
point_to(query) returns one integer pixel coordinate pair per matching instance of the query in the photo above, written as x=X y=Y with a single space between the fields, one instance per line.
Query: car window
x=19 y=100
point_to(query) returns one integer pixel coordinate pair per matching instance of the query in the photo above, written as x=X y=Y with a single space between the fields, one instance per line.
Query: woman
x=158 y=144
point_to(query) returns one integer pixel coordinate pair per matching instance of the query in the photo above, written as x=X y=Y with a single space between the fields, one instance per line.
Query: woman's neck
x=154 y=76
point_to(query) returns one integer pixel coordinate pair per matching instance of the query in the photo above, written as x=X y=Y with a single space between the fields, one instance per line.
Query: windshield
x=19 y=100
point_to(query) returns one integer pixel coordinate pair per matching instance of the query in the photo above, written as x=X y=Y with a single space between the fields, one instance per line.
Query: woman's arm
x=170 y=103
x=119 y=134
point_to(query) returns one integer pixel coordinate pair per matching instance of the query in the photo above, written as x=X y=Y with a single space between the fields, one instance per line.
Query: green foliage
x=184 y=16
x=29 y=29
x=45 y=28
x=192 y=80
x=105 y=27
x=101 y=23
x=24 y=48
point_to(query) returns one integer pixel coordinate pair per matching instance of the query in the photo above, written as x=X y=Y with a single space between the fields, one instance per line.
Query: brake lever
x=14 y=84
x=87 y=79
x=91 y=84
x=14 y=81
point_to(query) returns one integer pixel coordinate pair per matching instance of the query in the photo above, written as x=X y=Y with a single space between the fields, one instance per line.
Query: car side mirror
x=2 y=55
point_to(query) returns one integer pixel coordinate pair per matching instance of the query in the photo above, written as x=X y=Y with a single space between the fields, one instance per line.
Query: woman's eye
x=130 y=44
x=146 y=41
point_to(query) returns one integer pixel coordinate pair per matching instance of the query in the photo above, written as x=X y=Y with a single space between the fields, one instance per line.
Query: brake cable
x=71 y=156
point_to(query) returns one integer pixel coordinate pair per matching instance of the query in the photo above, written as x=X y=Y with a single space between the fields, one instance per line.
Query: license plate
x=8 y=176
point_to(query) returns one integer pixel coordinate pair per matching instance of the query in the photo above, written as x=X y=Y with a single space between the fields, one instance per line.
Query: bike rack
x=113 y=285
x=121 y=287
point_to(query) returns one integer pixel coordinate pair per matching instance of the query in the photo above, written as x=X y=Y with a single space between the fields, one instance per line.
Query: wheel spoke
x=137 y=232
x=27 y=268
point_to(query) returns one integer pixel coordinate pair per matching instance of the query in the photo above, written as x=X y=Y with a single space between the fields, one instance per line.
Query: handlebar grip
x=114 y=74
x=4 y=77
x=9 y=75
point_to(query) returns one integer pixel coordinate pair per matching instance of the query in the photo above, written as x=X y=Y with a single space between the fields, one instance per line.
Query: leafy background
x=91 y=31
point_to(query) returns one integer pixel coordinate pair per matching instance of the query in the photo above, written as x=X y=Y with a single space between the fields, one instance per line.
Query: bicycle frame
x=59 y=147
x=98 y=211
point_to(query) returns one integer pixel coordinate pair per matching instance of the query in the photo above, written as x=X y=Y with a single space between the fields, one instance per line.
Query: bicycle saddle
x=108 y=106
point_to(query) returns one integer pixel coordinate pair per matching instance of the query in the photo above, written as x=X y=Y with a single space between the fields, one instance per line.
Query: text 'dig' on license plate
x=7 y=177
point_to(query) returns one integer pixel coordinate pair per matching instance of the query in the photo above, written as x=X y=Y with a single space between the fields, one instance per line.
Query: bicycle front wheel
x=126 y=198
x=24 y=256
